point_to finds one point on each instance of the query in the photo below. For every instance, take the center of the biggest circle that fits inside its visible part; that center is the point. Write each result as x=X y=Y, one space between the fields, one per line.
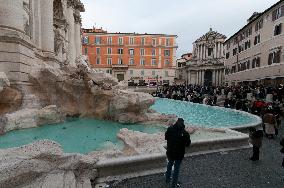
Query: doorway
x=208 y=78
x=120 y=77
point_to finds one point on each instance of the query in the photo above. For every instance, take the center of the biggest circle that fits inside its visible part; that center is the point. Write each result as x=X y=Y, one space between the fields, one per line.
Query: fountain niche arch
x=208 y=78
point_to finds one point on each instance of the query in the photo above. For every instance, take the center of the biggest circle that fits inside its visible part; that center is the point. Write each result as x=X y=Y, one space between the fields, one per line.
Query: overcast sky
x=189 y=19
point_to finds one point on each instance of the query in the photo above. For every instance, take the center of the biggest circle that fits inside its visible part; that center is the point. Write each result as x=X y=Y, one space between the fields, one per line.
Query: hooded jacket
x=177 y=139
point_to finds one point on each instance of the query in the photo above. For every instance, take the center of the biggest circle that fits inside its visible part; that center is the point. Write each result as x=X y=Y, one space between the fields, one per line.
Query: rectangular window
x=153 y=73
x=210 y=51
x=167 y=53
x=131 y=40
x=166 y=73
x=153 y=62
x=131 y=52
x=153 y=52
x=259 y=25
x=247 y=44
x=167 y=42
x=109 y=51
x=86 y=50
x=142 y=72
x=109 y=71
x=228 y=45
x=142 y=51
x=142 y=62
x=120 y=41
x=235 y=51
x=257 y=39
x=119 y=61
x=277 y=29
x=98 y=61
x=131 y=72
x=85 y=40
x=154 y=42
x=109 y=40
x=167 y=62
x=98 y=50
x=131 y=61
x=258 y=62
x=227 y=55
x=120 y=50
x=143 y=41
x=109 y=61
x=277 y=13
x=274 y=57
x=98 y=40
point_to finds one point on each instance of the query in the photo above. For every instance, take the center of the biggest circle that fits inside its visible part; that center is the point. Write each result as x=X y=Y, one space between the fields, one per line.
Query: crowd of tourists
x=264 y=101
x=253 y=99
x=247 y=98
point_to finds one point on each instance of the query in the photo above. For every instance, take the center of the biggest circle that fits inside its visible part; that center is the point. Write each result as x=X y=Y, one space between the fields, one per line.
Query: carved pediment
x=211 y=36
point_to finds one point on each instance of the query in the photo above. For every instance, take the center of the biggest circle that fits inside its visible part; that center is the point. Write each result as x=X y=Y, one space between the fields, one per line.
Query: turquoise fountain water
x=79 y=135
x=203 y=115
x=86 y=135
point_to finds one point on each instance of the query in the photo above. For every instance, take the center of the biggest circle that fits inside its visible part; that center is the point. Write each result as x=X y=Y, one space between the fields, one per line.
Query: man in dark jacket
x=255 y=137
x=177 y=139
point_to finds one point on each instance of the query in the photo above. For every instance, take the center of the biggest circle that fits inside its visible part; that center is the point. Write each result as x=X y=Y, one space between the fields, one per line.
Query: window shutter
x=282 y=10
x=270 y=59
x=280 y=28
x=278 y=54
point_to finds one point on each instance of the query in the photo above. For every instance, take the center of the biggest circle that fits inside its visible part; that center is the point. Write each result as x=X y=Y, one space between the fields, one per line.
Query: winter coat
x=255 y=138
x=177 y=139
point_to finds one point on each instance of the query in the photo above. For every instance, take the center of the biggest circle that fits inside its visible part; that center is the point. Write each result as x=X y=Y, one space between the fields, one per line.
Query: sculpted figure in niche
x=26 y=17
x=60 y=30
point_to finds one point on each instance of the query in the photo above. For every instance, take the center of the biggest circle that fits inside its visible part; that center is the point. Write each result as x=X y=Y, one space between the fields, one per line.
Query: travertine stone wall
x=36 y=33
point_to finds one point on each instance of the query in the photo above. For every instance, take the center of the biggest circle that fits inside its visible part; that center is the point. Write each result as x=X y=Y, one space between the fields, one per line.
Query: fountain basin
x=76 y=136
x=201 y=115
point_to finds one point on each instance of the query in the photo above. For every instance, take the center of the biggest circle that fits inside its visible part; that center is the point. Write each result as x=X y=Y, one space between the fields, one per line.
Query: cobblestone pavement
x=231 y=169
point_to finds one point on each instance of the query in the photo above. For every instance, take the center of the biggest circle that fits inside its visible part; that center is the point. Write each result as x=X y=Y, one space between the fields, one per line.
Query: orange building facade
x=132 y=56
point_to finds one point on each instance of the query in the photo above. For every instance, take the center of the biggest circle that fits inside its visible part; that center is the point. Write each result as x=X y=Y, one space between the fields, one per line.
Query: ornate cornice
x=211 y=35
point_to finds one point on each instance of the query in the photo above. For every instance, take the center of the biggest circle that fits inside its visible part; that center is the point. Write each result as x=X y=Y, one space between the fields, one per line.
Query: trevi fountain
x=63 y=124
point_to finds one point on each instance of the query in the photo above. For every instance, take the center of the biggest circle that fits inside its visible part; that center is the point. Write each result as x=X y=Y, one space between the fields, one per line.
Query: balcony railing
x=119 y=66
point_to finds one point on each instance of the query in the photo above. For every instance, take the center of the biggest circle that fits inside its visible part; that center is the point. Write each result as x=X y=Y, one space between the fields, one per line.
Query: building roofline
x=140 y=34
x=260 y=15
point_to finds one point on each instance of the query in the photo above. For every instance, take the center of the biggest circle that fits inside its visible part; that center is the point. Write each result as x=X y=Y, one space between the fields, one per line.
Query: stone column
x=202 y=77
x=217 y=77
x=37 y=24
x=203 y=52
x=197 y=80
x=47 y=34
x=215 y=51
x=200 y=51
x=213 y=78
x=71 y=56
x=77 y=30
x=78 y=43
x=220 y=77
x=220 y=50
x=12 y=15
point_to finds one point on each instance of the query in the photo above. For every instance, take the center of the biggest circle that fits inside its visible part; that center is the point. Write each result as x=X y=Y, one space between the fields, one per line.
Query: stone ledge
x=136 y=166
